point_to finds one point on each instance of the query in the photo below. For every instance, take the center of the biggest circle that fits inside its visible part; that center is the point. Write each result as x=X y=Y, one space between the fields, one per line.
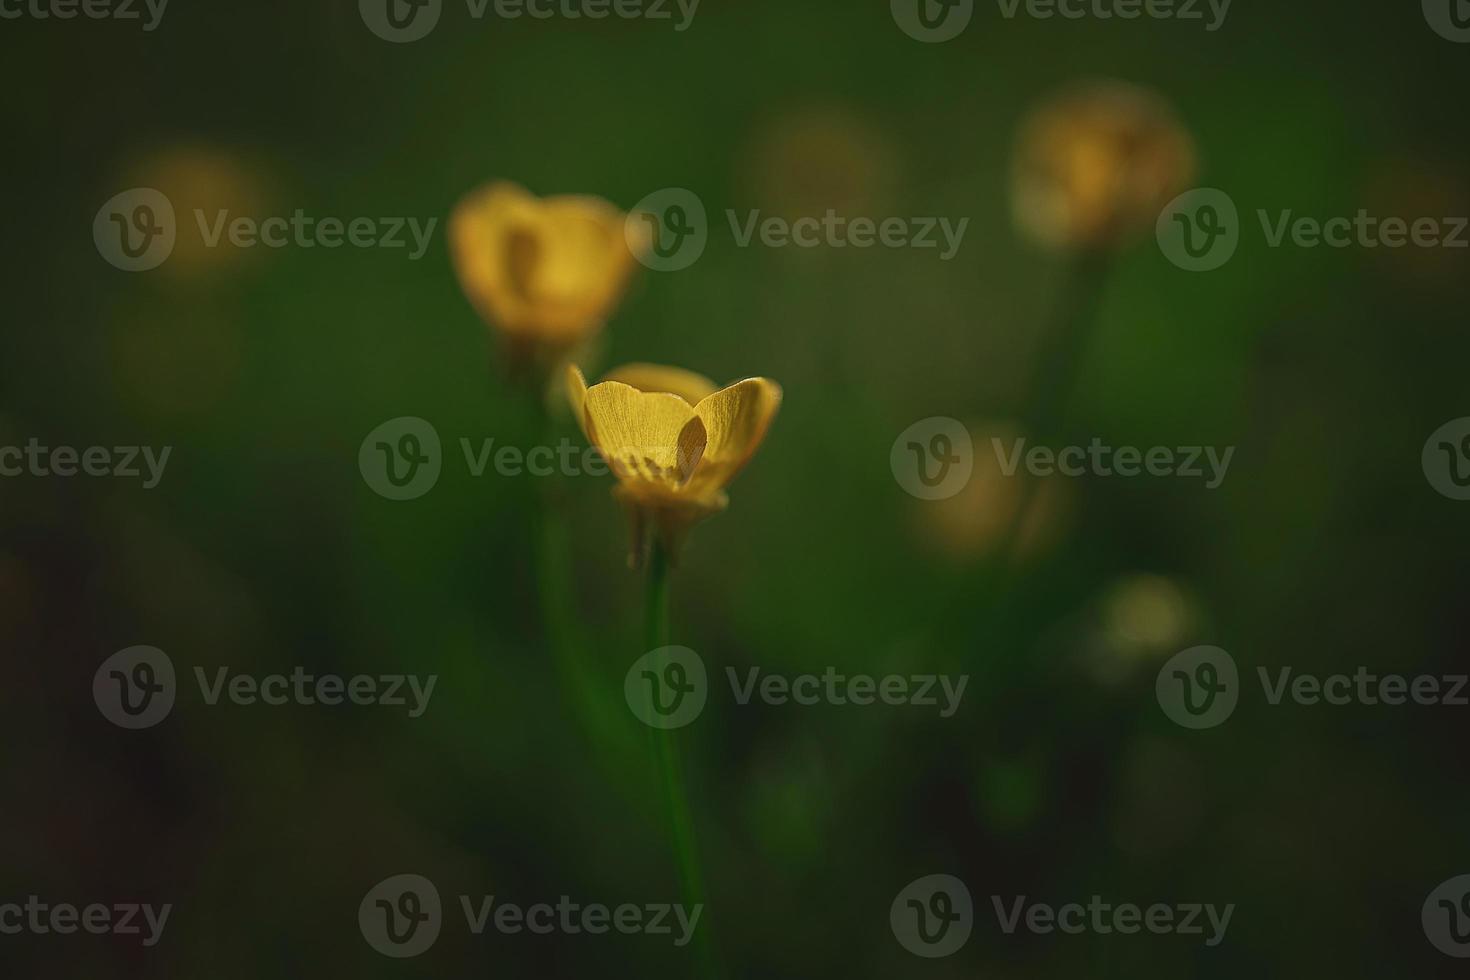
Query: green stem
x=550 y=551
x=554 y=593
x=666 y=750
x=1062 y=350
x=656 y=609
x=1065 y=343
x=1041 y=415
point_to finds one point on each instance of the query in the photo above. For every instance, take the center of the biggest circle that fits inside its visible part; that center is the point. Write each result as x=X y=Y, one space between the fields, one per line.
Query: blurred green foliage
x=1060 y=778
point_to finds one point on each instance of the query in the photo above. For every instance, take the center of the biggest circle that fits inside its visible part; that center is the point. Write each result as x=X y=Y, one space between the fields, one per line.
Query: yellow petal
x=656 y=377
x=1098 y=163
x=577 y=396
x=549 y=268
x=585 y=260
x=735 y=422
x=480 y=229
x=652 y=440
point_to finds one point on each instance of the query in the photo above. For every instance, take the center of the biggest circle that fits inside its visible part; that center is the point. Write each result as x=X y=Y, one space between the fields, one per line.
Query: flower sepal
x=667 y=523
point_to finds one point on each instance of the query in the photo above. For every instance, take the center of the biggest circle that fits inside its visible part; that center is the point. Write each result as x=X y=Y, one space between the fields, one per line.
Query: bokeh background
x=1060 y=778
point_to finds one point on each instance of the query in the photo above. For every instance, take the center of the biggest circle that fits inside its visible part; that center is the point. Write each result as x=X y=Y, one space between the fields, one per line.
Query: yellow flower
x=545 y=272
x=1097 y=164
x=673 y=441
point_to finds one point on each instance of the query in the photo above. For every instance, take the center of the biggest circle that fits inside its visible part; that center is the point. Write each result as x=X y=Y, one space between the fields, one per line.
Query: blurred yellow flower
x=994 y=510
x=819 y=157
x=673 y=440
x=1097 y=164
x=1417 y=188
x=212 y=180
x=1146 y=614
x=1138 y=617
x=546 y=272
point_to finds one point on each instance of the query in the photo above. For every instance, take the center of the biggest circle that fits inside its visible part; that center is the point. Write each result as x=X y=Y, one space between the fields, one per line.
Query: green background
x=1060 y=778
